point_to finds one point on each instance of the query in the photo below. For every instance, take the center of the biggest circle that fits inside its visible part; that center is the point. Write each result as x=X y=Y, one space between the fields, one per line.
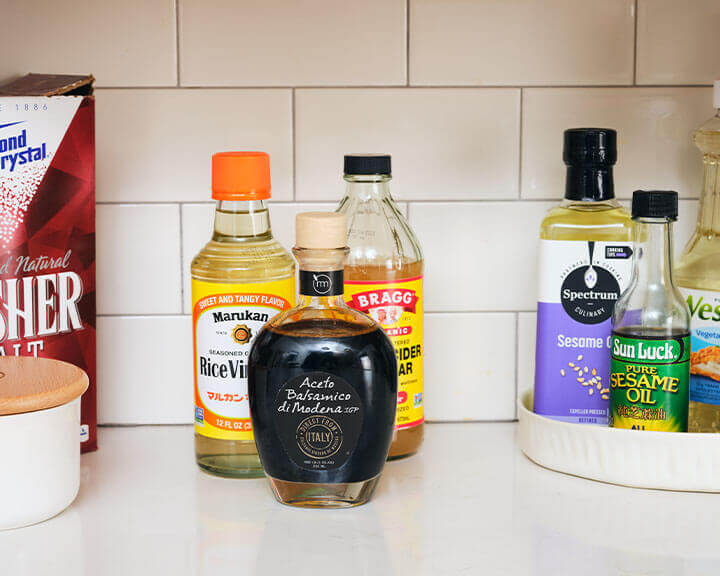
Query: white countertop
x=469 y=503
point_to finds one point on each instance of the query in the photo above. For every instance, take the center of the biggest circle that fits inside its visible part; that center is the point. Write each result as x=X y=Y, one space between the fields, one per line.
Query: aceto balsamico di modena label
x=649 y=382
x=226 y=320
x=397 y=306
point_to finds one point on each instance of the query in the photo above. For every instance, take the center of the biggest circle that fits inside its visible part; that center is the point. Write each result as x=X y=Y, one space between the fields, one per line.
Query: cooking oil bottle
x=240 y=280
x=584 y=264
x=383 y=278
x=698 y=276
x=650 y=358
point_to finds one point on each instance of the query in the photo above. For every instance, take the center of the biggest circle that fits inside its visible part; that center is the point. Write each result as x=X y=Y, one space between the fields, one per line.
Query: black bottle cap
x=367 y=164
x=655 y=204
x=590 y=147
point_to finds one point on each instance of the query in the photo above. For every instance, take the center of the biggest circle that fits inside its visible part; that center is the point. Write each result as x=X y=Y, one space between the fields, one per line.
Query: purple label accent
x=565 y=349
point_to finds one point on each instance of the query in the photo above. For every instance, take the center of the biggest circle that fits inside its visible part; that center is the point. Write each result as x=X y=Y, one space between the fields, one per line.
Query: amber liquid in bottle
x=322 y=383
x=385 y=257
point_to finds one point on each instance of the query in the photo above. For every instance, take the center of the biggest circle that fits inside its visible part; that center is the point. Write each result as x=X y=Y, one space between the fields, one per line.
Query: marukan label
x=398 y=307
x=226 y=320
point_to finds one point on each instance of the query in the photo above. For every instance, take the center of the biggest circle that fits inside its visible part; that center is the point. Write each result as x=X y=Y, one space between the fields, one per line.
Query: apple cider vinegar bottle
x=241 y=279
x=384 y=279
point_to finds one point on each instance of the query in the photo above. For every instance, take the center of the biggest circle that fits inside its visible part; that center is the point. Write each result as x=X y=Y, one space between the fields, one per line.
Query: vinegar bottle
x=383 y=278
x=322 y=383
x=698 y=276
x=241 y=279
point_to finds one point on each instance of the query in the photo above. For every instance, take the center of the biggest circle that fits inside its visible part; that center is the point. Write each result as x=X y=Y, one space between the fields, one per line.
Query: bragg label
x=649 y=382
x=226 y=319
x=398 y=307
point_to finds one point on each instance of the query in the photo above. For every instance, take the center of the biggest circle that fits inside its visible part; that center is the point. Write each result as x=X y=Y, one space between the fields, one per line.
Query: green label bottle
x=650 y=344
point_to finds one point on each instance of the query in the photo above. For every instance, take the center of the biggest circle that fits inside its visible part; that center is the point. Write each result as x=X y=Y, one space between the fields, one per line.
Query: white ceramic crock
x=40 y=459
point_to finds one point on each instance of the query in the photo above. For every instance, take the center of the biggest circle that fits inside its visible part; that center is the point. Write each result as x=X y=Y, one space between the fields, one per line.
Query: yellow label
x=226 y=319
x=398 y=307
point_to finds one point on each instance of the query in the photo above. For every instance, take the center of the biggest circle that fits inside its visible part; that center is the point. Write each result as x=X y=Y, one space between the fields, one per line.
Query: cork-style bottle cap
x=28 y=384
x=321 y=230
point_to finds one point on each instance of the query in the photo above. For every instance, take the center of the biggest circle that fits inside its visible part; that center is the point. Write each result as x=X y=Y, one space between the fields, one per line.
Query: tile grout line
x=635 y=45
x=520 y=145
x=509 y=200
x=430 y=312
x=182 y=260
x=294 y=144
x=177 y=43
x=407 y=42
x=517 y=362
x=409 y=87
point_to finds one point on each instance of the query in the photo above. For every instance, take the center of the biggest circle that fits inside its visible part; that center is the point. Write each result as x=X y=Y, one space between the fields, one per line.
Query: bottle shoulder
x=699 y=264
x=244 y=260
x=601 y=221
x=379 y=234
x=322 y=322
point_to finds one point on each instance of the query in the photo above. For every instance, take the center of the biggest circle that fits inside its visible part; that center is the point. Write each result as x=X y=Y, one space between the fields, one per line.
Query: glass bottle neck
x=709 y=213
x=321 y=278
x=589 y=183
x=241 y=220
x=367 y=187
x=653 y=253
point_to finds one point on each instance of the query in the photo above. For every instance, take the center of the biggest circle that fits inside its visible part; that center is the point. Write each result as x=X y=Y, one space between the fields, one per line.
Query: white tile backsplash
x=527 y=324
x=145 y=370
x=470 y=98
x=654 y=125
x=280 y=43
x=460 y=144
x=678 y=42
x=138 y=260
x=521 y=42
x=155 y=145
x=469 y=366
x=128 y=43
x=479 y=256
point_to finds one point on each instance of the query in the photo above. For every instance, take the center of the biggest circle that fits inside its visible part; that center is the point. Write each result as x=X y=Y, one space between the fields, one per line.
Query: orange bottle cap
x=241 y=176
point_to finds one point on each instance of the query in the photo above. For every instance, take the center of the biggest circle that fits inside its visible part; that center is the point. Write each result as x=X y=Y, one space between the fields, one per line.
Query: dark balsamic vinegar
x=355 y=354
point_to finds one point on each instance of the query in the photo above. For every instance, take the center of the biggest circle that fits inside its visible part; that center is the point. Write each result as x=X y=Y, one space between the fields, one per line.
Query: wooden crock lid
x=28 y=384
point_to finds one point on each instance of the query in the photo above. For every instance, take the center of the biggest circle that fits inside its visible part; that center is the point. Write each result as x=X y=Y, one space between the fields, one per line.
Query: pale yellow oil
x=605 y=221
x=242 y=250
x=699 y=266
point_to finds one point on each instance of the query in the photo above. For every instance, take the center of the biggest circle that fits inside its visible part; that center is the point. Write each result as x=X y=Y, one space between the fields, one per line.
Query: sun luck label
x=649 y=382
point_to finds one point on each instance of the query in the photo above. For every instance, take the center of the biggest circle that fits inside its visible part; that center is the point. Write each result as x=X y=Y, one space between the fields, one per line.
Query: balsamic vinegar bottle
x=322 y=383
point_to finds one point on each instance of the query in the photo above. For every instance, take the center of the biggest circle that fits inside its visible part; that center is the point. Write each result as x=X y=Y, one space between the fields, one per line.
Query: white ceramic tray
x=661 y=460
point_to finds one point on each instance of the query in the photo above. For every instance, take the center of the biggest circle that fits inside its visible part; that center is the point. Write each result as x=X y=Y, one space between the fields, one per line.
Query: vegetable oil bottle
x=383 y=278
x=240 y=280
x=650 y=365
x=584 y=265
x=698 y=276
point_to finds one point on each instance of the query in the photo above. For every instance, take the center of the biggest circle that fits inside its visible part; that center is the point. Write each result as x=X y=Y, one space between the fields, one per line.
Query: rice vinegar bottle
x=383 y=278
x=585 y=262
x=698 y=277
x=241 y=279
